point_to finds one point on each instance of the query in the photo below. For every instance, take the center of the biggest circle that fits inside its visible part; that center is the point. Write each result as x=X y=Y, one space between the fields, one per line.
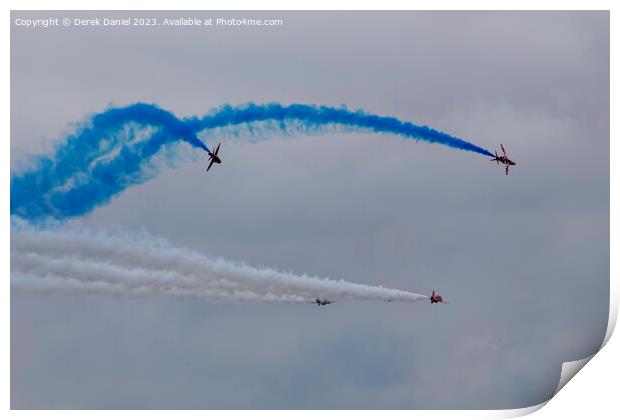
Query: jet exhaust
x=83 y=260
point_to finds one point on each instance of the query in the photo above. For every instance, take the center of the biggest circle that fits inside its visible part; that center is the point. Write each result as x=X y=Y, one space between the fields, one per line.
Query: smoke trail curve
x=115 y=149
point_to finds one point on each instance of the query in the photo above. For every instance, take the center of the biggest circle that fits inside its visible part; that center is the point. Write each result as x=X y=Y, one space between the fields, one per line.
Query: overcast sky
x=524 y=259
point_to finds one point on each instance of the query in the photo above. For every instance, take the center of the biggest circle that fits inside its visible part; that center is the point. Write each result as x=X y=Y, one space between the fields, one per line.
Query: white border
x=592 y=395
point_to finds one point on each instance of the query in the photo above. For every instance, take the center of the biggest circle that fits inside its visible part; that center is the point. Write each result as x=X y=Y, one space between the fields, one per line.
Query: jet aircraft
x=436 y=298
x=322 y=302
x=214 y=158
x=503 y=159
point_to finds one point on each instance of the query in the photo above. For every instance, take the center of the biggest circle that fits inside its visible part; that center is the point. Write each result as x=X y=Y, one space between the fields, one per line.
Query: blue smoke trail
x=68 y=184
x=312 y=115
x=107 y=153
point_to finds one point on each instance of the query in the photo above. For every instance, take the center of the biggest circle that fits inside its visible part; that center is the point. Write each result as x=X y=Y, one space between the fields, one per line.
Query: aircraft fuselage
x=505 y=160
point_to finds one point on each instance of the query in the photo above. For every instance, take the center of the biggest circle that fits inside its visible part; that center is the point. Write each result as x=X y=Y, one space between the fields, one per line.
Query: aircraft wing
x=210 y=164
x=504 y=150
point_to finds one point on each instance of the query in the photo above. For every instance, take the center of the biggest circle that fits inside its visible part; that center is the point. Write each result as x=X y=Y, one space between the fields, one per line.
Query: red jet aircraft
x=436 y=298
x=503 y=159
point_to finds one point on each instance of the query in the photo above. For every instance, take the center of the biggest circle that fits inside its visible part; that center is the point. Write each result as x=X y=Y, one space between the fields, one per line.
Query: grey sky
x=523 y=259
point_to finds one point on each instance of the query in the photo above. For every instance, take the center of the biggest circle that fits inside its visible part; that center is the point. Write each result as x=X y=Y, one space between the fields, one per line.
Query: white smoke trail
x=126 y=265
x=48 y=284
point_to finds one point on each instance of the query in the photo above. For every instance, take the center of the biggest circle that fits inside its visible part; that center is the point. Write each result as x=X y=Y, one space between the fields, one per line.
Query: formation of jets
x=434 y=298
x=214 y=158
